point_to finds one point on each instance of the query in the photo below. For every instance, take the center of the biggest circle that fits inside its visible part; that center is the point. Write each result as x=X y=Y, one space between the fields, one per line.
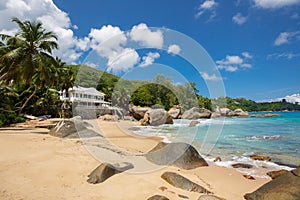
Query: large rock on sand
x=181 y=182
x=181 y=155
x=138 y=112
x=284 y=187
x=196 y=113
x=73 y=128
x=156 y=117
x=105 y=171
x=238 y=113
x=276 y=174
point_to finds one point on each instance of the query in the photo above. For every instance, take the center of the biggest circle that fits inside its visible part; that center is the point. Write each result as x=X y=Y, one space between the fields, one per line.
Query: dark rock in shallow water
x=242 y=165
x=179 y=181
x=194 y=123
x=179 y=154
x=285 y=187
x=209 y=197
x=275 y=174
x=157 y=197
x=105 y=170
x=217 y=159
x=262 y=158
x=267 y=115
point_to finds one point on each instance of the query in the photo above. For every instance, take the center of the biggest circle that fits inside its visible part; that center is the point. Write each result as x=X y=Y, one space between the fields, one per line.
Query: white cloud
x=174 y=49
x=247 y=55
x=208 y=77
x=207 y=6
x=53 y=19
x=109 y=42
x=149 y=59
x=282 y=39
x=235 y=60
x=239 y=19
x=145 y=37
x=289 y=98
x=234 y=63
x=228 y=68
x=124 y=61
x=286 y=55
x=286 y=37
x=275 y=4
x=91 y=64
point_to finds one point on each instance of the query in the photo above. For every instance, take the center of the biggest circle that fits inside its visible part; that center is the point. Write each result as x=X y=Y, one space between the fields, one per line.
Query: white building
x=85 y=97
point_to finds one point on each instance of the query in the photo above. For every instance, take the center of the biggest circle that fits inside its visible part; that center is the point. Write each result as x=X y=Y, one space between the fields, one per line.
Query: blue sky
x=255 y=44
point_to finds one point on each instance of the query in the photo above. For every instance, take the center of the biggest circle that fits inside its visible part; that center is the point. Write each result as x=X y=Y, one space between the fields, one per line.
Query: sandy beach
x=35 y=165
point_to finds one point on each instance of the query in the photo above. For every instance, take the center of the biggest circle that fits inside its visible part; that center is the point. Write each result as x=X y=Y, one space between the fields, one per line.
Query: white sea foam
x=263 y=137
x=259 y=169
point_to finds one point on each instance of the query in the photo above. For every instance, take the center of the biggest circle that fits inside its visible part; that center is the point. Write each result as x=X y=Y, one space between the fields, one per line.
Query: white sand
x=39 y=166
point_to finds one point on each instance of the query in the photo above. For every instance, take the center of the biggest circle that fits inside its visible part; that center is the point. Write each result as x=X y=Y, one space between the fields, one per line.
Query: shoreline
x=35 y=165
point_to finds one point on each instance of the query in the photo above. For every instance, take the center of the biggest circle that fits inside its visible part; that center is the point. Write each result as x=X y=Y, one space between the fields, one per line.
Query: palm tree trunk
x=28 y=99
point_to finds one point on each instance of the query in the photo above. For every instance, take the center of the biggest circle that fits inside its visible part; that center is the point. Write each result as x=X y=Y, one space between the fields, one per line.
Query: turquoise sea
x=235 y=139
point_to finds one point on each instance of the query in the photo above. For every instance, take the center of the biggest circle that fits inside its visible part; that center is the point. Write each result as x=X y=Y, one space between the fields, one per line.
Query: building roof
x=88 y=91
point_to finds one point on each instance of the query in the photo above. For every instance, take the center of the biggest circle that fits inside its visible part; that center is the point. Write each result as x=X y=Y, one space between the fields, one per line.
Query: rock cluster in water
x=158 y=116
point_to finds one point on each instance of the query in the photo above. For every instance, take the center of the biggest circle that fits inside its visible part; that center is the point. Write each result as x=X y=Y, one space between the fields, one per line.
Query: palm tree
x=65 y=75
x=26 y=57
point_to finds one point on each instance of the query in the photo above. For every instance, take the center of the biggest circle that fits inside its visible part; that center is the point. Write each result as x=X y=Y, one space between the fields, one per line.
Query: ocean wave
x=264 y=137
x=259 y=169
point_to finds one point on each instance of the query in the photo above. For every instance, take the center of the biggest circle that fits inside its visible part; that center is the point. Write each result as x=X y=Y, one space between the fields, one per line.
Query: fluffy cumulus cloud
x=174 y=49
x=208 y=6
x=146 y=37
x=110 y=42
x=286 y=37
x=52 y=18
x=107 y=41
x=208 y=77
x=149 y=59
x=239 y=19
x=233 y=63
x=123 y=61
x=275 y=4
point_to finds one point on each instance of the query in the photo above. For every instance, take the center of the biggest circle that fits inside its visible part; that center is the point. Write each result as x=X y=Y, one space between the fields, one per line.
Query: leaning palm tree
x=26 y=57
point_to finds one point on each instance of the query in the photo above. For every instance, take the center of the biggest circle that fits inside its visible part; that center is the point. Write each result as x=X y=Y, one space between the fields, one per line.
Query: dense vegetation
x=30 y=78
x=250 y=105
x=29 y=75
